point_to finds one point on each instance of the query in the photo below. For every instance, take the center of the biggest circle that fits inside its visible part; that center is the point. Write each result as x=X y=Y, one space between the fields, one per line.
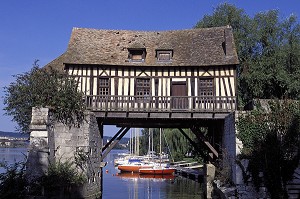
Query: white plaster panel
x=132 y=86
x=125 y=87
x=112 y=86
x=178 y=79
x=95 y=86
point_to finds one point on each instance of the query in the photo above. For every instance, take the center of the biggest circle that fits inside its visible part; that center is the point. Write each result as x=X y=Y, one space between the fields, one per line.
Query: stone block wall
x=38 y=151
x=245 y=190
x=58 y=142
x=229 y=144
x=80 y=145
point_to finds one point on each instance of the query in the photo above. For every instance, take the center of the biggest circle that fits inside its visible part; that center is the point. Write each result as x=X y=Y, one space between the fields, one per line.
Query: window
x=206 y=87
x=164 y=55
x=103 y=86
x=142 y=88
x=136 y=55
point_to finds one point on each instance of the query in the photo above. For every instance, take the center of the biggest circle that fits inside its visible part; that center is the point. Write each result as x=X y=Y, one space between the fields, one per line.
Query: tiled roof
x=194 y=47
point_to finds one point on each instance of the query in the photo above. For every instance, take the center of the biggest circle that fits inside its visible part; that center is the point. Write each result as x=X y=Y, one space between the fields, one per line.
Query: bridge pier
x=58 y=143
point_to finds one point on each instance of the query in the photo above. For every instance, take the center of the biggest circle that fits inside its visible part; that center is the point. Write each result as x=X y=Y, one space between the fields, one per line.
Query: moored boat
x=134 y=167
x=158 y=170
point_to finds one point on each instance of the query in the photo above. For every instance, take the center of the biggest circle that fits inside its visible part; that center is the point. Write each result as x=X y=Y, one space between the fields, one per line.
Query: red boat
x=159 y=170
x=144 y=176
x=133 y=167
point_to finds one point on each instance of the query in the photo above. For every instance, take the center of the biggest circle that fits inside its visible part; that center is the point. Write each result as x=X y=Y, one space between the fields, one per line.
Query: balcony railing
x=160 y=103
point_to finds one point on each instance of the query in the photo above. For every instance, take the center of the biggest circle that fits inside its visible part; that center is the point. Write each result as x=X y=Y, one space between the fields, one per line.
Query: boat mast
x=138 y=141
x=152 y=149
x=160 y=142
x=149 y=143
x=130 y=137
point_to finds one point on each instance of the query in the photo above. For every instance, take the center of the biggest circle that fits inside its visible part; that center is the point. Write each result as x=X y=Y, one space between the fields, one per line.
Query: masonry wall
x=231 y=145
x=245 y=190
x=38 y=151
x=58 y=142
x=84 y=144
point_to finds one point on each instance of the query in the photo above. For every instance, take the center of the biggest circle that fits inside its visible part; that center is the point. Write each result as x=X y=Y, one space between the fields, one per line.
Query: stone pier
x=52 y=143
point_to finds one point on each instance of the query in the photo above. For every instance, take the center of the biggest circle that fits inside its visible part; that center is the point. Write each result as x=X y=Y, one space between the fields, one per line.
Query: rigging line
x=168 y=146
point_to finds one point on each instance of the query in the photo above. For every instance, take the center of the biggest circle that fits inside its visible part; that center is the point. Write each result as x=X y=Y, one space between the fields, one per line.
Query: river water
x=132 y=186
x=12 y=155
x=117 y=185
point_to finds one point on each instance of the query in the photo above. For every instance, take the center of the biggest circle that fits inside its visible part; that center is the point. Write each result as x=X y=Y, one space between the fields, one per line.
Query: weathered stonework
x=209 y=172
x=38 y=152
x=245 y=190
x=68 y=142
x=231 y=144
x=58 y=142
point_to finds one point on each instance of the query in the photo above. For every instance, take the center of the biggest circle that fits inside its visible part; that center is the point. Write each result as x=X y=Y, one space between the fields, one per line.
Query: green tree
x=44 y=87
x=268 y=50
x=13 y=181
x=271 y=141
x=173 y=142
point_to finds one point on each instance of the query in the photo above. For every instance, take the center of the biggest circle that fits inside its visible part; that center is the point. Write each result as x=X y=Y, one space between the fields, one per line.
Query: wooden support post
x=114 y=143
x=100 y=128
x=112 y=139
x=202 y=138
x=197 y=148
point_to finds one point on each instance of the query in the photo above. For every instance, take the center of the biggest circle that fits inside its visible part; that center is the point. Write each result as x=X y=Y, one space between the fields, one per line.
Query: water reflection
x=11 y=156
x=135 y=186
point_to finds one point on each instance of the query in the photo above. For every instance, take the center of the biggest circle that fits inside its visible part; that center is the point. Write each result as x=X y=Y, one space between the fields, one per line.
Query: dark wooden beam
x=113 y=138
x=113 y=144
x=202 y=138
x=196 y=147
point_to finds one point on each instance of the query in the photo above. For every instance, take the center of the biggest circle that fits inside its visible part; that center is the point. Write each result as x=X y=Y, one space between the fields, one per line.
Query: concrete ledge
x=39 y=134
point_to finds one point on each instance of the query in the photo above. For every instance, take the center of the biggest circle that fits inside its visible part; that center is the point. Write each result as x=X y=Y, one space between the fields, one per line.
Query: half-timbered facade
x=170 y=79
x=158 y=74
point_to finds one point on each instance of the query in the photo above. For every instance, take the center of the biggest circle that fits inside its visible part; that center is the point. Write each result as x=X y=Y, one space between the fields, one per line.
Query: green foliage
x=62 y=174
x=42 y=87
x=271 y=141
x=59 y=178
x=81 y=158
x=13 y=181
x=173 y=142
x=268 y=50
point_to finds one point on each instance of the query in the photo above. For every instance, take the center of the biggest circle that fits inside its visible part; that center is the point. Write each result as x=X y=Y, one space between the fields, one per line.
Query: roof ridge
x=149 y=31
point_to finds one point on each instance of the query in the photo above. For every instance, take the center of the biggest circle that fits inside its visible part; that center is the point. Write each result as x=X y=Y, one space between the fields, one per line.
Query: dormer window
x=137 y=55
x=164 y=55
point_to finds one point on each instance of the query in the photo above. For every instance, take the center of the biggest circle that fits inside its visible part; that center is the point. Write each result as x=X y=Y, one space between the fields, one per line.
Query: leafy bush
x=41 y=87
x=61 y=176
x=59 y=180
x=271 y=141
x=13 y=182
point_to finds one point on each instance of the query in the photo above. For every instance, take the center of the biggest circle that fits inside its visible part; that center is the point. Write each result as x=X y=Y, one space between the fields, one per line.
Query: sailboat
x=158 y=169
x=134 y=166
x=134 y=163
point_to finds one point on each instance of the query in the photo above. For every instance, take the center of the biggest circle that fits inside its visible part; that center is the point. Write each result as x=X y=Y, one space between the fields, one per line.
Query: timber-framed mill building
x=169 y=79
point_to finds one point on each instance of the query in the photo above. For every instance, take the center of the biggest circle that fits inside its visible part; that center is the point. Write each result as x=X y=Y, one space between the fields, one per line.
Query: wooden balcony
x=160 y=106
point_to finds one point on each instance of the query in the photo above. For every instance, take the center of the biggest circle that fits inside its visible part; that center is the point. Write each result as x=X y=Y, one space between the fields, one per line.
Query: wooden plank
x=159 y=115
x=112 y=145
x=205 y=141
x=193 y=144
x=137 y=115
x=181 y=115
x=112 y=139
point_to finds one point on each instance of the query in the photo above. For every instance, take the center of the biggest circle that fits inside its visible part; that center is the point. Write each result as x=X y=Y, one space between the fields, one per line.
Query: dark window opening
x=137 y=55
x=143 y=88
x=206 y=87
x=103 y=86
x=164 y=55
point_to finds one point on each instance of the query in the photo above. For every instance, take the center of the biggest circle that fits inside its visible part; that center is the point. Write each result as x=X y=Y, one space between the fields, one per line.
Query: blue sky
x=37 y=29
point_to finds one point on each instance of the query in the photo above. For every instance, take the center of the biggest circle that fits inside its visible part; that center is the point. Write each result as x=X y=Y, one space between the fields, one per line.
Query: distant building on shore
x=11 y=139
